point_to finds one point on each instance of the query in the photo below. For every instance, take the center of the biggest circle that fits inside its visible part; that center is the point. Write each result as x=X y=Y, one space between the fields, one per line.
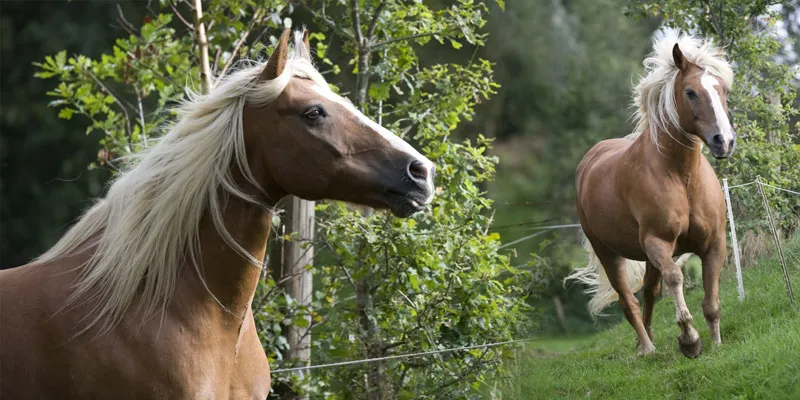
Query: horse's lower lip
x=718 y=154
x=721 y=156
x=402 y=205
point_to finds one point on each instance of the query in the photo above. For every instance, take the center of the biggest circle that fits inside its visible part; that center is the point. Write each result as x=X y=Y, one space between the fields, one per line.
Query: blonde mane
x=147 y=225
x=654 y=97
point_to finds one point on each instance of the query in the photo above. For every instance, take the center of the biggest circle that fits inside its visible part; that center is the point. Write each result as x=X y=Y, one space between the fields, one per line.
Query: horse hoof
x=644 y=352
x=691 y=350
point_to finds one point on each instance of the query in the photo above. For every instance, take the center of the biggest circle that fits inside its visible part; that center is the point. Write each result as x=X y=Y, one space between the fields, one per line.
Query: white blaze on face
x=393 y=140
x=723 y=124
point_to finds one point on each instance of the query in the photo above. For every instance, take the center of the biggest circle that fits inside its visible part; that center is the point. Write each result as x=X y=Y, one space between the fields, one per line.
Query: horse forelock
x=654 y=95
x=147 y=226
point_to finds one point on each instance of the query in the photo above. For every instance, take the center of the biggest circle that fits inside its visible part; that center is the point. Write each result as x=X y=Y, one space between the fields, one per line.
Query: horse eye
x=691 y=94
x=314 y=113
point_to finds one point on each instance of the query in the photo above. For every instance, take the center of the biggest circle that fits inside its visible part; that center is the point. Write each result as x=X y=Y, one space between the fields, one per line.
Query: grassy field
x=759 y=357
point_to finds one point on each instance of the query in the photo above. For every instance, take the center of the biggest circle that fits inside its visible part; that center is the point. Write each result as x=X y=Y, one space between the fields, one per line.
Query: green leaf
x=61 y=59
x=66 y=113
x=413 y=279
x=300 y=321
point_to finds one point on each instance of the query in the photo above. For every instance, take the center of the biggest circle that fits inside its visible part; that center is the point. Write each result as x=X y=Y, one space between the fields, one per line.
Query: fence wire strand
x=399 y=356
x=780 y=188
x=764 y=184
x=742 y=185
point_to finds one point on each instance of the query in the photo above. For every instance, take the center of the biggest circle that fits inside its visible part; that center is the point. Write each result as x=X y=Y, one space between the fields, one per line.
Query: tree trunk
x=774 y=100
x=377 y=387
x=202 y=41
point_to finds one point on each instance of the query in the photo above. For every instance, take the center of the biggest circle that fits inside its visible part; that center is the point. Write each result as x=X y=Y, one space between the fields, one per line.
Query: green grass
x=759 y=357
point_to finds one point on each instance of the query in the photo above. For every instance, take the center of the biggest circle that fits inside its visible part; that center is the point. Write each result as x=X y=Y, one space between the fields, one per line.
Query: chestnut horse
x=148 y=295
x=653 y=196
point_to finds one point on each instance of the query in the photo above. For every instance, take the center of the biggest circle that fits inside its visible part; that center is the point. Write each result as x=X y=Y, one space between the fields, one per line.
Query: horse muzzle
x=413 y=192
x=720 y=148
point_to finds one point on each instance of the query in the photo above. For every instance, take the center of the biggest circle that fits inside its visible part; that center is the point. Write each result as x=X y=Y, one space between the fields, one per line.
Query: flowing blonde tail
x=594 y=277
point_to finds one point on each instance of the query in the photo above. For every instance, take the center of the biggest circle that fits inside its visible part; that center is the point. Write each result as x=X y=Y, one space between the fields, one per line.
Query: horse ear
x=677 y=56
x=277 y=61
x=306 y=42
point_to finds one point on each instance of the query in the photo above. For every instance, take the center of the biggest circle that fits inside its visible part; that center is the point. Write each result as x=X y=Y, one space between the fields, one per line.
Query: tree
x=392 y=286
x=385 y=286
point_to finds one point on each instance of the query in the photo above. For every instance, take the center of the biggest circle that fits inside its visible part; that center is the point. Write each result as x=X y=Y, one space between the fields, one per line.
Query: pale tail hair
x=594 y=277
x=654 y=95
x=147 y=225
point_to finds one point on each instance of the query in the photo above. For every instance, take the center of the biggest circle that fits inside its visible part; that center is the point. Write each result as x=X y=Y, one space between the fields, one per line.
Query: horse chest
x=176 y=368
x=223 y=365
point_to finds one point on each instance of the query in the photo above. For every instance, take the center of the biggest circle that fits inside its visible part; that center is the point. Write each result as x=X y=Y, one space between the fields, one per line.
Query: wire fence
x=735 y=243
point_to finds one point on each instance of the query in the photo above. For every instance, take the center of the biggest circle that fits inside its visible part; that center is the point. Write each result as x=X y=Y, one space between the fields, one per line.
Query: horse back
x=600 y=159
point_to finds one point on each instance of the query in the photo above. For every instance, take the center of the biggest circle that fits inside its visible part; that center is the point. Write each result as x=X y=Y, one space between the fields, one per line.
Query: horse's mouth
x=720 y=153
x=404 y=205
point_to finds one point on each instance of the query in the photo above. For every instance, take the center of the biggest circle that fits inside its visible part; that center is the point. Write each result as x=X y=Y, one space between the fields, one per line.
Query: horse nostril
x=417 y=171
x=717 y=140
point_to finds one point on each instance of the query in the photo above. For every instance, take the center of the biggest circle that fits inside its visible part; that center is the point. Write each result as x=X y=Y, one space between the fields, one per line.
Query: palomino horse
x=644 y=200
x=149 y=294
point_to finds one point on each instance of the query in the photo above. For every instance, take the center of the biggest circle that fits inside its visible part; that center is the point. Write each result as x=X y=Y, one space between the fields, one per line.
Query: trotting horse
x=148 y=295
x=646 y=199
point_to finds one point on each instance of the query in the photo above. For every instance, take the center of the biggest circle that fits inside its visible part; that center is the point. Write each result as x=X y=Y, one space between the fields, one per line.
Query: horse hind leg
x=659 y=253
x=615 y=268
x=650 y=292
x=712 y=265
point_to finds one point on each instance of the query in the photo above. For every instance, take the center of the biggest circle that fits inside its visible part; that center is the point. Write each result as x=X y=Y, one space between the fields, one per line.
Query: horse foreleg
x=659 y=252
x=650 y=292
x=712 y=264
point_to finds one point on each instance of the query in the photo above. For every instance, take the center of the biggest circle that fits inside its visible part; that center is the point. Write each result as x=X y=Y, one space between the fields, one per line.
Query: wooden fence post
x=288 y=263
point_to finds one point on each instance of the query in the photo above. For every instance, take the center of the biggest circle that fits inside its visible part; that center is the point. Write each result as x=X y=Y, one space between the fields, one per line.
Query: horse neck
x=231 y=278
x=679 y=153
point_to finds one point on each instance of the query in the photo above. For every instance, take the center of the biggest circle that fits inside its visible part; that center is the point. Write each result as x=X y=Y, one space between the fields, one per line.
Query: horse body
x=149 y=294
x=647 y=198
x=684 y=202
x=194 y=350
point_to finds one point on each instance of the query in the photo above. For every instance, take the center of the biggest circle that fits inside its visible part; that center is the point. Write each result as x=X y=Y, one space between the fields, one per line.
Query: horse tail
x=593 y=275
